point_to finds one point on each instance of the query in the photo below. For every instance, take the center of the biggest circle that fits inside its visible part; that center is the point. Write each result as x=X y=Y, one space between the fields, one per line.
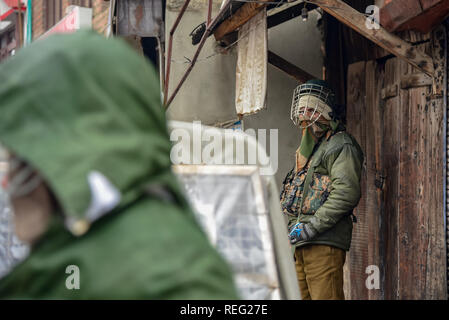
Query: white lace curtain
x=251 y=73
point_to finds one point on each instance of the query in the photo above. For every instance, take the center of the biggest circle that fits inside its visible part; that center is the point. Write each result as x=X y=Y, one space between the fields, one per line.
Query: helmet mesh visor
x=311 y=97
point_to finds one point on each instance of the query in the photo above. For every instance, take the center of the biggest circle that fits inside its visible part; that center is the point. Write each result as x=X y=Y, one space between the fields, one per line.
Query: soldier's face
x=309 y=116
x=32 y=210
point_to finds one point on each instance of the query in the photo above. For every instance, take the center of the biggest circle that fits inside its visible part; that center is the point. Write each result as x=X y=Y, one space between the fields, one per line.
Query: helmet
x=315 y=95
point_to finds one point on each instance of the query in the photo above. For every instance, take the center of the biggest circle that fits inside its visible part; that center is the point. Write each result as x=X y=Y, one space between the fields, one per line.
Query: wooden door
x=399 y=122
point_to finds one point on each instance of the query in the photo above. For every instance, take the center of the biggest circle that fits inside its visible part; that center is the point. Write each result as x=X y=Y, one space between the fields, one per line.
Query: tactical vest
x=293 y=187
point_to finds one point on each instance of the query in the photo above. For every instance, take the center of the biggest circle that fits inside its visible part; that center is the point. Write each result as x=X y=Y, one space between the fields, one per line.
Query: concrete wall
x=209 y=92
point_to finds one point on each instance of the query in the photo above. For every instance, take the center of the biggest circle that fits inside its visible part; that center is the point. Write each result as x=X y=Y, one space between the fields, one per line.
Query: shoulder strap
x=160 y=191
x=308 y=180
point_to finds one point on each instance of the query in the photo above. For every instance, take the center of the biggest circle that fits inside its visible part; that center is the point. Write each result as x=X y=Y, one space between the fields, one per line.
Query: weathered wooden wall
x=365 y=123
x=401 y=224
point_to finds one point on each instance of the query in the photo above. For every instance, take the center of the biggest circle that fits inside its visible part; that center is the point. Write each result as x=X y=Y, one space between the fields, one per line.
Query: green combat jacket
x=333 y=193
x=85 y=112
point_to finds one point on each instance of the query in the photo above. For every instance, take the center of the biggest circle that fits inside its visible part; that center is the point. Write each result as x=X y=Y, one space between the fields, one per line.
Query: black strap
x=160 y=191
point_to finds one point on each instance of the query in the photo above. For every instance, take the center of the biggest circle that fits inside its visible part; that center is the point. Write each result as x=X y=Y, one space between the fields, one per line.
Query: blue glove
x=301 y=231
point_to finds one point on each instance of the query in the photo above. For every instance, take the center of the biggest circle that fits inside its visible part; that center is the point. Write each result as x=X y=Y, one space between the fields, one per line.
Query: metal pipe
x=170 y=45
x=111 y=17
x=209 y=12
x=195 y=57
x=29 y=29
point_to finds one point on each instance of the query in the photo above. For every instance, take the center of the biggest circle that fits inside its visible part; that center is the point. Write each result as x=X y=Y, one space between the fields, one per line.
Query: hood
x=85 y=112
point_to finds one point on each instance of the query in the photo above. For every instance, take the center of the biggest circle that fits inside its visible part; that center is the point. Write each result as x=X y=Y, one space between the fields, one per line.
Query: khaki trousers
x=319 y=269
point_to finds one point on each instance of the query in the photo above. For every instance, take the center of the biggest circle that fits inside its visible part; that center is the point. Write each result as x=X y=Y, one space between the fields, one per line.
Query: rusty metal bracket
x=209 y=26
x=170 y=46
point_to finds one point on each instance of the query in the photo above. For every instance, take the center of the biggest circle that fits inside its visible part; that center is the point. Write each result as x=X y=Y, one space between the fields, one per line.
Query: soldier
x=321 y=191
x=90 y=179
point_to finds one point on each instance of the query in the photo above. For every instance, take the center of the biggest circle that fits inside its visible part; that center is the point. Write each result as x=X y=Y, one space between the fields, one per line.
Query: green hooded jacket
x=85 y=111
x=333 y=193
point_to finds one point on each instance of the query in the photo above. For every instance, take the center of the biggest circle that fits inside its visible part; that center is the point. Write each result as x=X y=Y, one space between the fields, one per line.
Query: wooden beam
x=419 y=15
x=356 y=20
x=396 y=13
x=390 y=91
x=272 y=20
x=239 y=18
x=415 y=80
x=293 y=71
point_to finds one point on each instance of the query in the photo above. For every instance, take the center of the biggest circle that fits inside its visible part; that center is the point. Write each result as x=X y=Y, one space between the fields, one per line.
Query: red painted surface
x=419 y=15
x=6 y=14
x=14 y=3
x=68 y=24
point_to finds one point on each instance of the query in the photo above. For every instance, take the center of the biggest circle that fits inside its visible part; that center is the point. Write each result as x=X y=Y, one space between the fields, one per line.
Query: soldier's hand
x=301 y=231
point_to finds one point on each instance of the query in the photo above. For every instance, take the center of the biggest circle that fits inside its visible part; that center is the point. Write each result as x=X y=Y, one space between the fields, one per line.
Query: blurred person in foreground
x=90 y=180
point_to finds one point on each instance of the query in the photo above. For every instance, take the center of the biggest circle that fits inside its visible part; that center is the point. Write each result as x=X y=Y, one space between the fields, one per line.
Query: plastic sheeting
x=235 y=217
x=251 y=74
x=12 y=250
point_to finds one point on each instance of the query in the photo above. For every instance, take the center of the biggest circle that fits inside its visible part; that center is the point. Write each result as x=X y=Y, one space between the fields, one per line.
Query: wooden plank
x=391 y=139
x=389 y=92
x=230 y=38
x=438 y=45
x=365 y=118
x=435 y=272
x=293 y=71
x=239 y=18
x=425 y=277
x=408 y=273
x=428 y=19
x=420 y=15
x=398 y=12
x=415 y=80
x=375 y=174
x=421 y=224
x=427 y=4
x=395 y=45
x=356 y=125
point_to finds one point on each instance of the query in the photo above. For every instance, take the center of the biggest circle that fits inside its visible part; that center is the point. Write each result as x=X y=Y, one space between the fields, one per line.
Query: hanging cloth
x=251 y=73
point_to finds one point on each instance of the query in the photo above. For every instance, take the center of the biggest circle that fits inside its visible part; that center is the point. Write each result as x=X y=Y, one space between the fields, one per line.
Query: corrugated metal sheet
x=143 y=18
